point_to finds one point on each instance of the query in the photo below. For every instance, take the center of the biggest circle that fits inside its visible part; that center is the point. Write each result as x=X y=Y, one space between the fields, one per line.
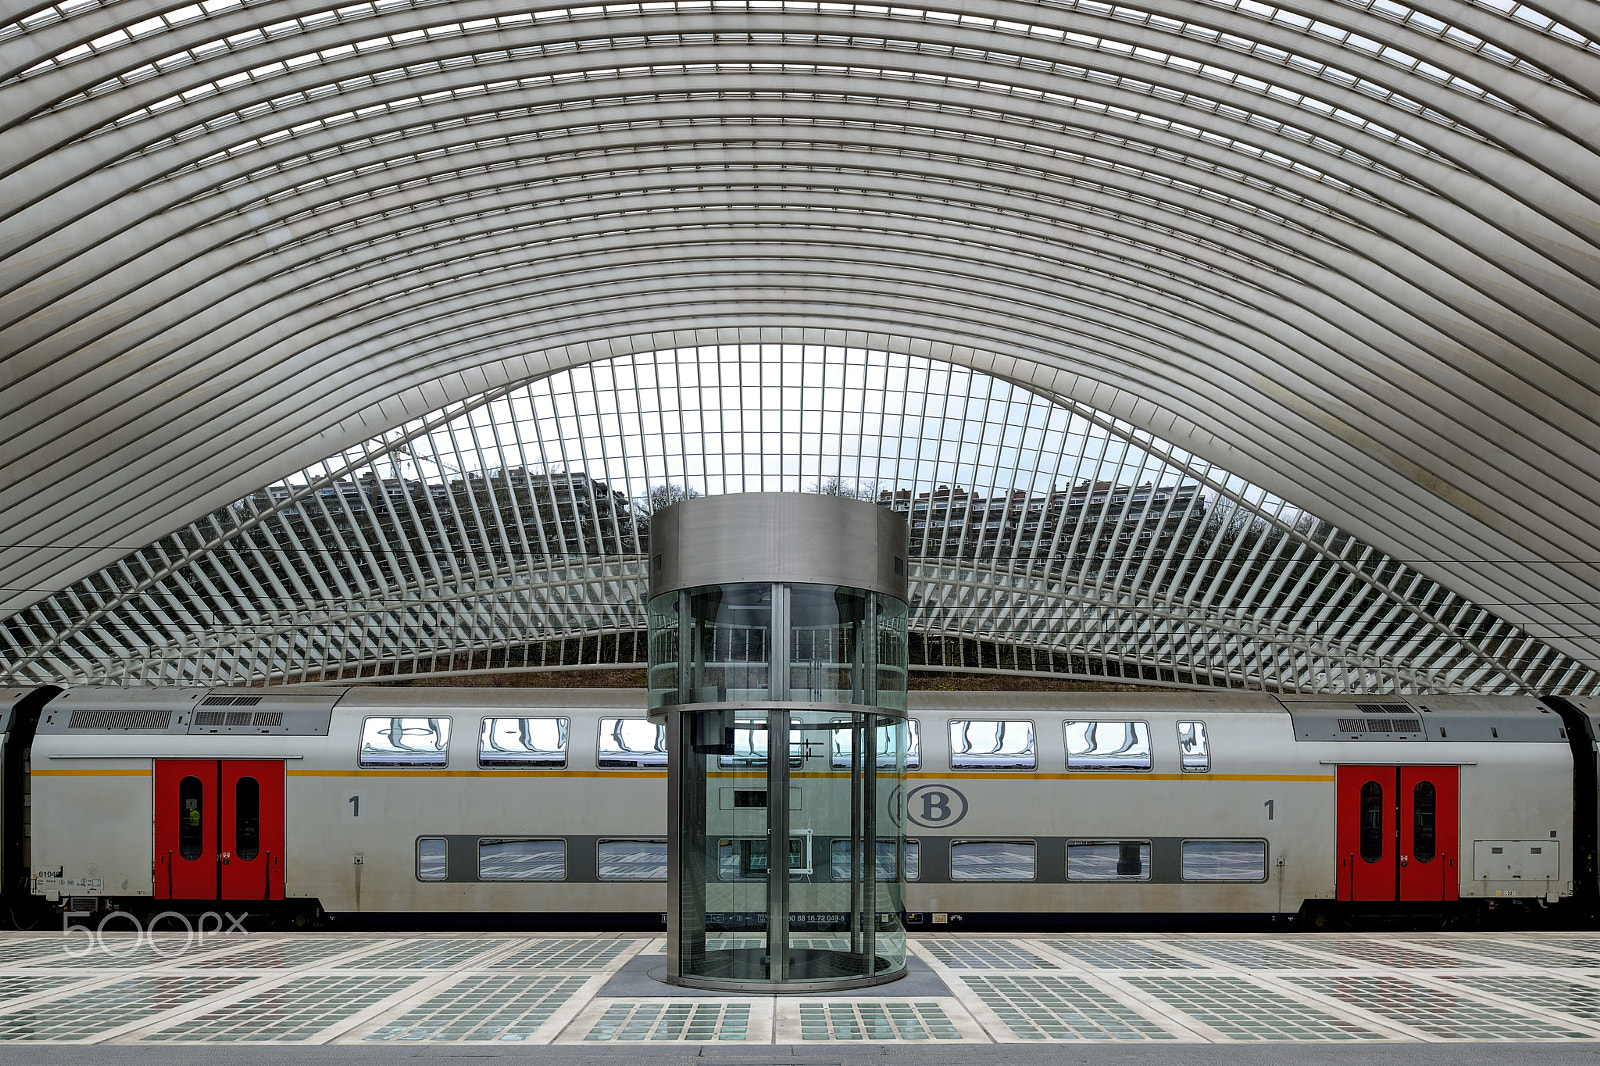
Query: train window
x=992 y=860
x=500 y=859
x=989 y=745
x=191 y=820
x=247 y=818
x=749 y=744
x=1193 y=751
x=1371 y=822
x=632 y=860
x=526 y=743
x=886 y=737
x=913 y=860
x=1108 y=860
x=1108 y=746
x=631 y=743
x=745 y=858
x=1424 y=806
x=1224 y=860
x=405 y=741
x=432 y=853
x=841 y=859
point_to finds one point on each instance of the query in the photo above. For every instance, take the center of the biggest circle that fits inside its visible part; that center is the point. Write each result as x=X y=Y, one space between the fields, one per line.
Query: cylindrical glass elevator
x=778 y=659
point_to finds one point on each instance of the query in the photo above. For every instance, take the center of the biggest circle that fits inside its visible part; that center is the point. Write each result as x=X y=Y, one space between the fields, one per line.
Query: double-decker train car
x=549 y=806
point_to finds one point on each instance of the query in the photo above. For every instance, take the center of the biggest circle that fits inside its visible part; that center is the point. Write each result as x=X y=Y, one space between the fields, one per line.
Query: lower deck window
x=632 y=860
x=992 y=860
x=432 y=859
x=1224 y=860
x=500 y=859
x=840 y=860
x=1108 y=860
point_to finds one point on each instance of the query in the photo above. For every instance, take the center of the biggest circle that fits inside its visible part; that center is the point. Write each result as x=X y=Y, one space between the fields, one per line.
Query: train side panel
x=1511 y=804
x=359 y=832
x=1146 y=823
x=1259 y=803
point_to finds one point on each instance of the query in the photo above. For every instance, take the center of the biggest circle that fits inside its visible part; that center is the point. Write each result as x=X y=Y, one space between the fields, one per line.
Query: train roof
x=1175 y=701
x=628 y=700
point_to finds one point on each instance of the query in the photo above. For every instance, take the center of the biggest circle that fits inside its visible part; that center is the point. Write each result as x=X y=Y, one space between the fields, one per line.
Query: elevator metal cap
x=794 y=537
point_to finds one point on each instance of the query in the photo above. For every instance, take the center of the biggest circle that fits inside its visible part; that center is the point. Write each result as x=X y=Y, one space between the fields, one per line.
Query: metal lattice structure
x=511 y=531
x=1346 y=250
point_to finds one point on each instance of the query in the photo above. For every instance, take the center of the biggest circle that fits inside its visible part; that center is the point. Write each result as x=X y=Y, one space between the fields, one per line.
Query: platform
x=596 y=991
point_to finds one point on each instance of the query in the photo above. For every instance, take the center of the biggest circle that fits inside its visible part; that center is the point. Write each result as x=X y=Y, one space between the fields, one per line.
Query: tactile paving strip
x=282 y=954
x=1243 y=1010
x=672 y=1020
x=1588 y=947
x=298 y=1009
x=1434 y=1011
x=1387 y=953
x=83 y=951
x=14 y=986
x=484 y=1007
x=433 y=954
x=1507 y=951
x=1123 y=955
x=1552 y=993
x=115 y=1005
x=34 y=950
x=1060 y=1007
x=1254 y=955
x=985 y=955
x=906 y=1020
x=564 y=955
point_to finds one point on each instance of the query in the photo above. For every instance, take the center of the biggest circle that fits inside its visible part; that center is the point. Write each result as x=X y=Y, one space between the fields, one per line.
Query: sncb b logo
x=935 y=806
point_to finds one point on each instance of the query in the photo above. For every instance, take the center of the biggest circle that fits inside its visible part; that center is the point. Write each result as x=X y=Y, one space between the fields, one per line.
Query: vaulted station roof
x=1344 y=250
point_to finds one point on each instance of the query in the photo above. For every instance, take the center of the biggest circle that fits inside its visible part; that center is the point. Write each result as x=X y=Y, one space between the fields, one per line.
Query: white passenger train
x=549 y=806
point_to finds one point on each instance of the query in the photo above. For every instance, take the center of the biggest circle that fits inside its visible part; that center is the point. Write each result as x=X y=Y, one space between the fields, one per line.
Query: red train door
x=251 y=824
x=1396 y=832
x=218 y=829
x=185 y=829
x=1365 y=832
x=1429 y=800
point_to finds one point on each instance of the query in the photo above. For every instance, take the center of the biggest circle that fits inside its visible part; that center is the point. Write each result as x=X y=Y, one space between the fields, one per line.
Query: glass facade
x=789 y=741
x=714 y=644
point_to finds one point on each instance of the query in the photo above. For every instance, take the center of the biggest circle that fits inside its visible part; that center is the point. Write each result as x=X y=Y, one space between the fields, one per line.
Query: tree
x=838 y=486
x=662 y=496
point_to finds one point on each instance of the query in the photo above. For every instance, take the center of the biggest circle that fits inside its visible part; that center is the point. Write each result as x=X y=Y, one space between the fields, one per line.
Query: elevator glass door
x=790 y=861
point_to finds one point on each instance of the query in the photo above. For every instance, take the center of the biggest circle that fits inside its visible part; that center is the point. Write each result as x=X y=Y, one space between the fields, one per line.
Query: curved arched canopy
x=1344 y=250
x=511 y=531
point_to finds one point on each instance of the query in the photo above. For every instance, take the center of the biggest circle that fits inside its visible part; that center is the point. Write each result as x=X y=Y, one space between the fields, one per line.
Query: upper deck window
x=1108 y=746
x=631 y=743
x=844 y=739
x=405 y=741
x=539 y=743
x=1193 y=749
x=991 y=745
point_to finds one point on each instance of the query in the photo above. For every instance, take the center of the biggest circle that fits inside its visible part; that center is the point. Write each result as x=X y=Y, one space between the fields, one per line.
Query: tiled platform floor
x=447 y=990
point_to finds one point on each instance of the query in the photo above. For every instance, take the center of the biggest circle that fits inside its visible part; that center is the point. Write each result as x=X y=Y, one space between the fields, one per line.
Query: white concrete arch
x=1349 y=253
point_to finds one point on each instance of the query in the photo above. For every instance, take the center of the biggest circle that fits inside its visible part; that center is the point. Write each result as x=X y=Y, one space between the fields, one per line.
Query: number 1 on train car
x=219 y=829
